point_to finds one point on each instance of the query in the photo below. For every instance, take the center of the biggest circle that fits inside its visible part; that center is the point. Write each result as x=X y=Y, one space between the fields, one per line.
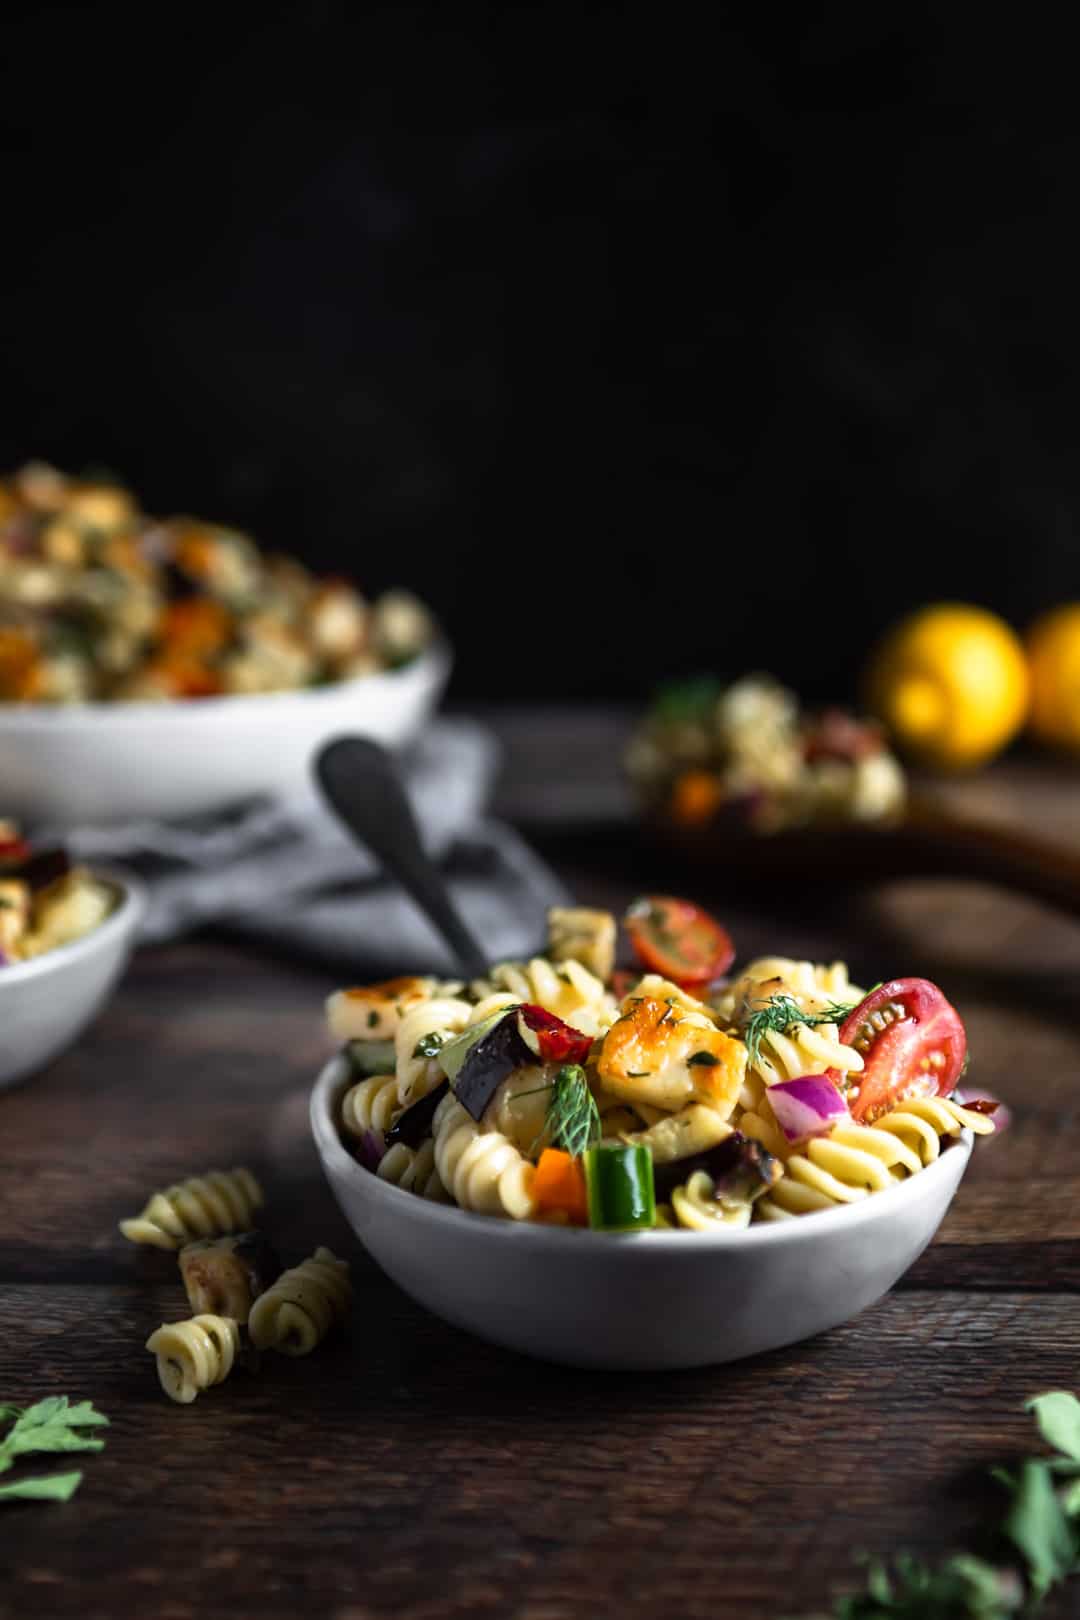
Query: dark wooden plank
x=408 y=1469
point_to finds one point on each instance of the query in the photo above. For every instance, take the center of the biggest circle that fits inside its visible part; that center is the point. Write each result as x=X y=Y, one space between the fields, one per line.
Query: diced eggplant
x=414 y=1126
x=226 y=1275
x=738 y=1167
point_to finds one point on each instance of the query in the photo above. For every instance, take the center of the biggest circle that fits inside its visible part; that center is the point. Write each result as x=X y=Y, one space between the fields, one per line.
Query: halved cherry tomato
x=13 y=850
x=913 y=1044
x=678 y=939
x=557 y=1042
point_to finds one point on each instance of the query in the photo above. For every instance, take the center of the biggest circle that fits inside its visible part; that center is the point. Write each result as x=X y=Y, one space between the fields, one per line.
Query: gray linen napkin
x=287 y=873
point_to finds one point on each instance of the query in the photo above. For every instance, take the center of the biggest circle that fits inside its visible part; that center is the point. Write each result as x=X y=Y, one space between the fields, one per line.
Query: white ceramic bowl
x=107 y=762
x=648 y=1300
x=46 y=1003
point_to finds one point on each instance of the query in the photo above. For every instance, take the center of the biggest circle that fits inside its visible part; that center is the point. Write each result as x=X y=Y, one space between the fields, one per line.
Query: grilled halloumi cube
x=373 y=1012
x=575 y=933
x=661 y=1054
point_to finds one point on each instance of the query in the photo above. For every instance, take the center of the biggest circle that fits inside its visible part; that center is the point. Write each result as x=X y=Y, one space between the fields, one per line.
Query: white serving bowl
x=108 y=762
x=649 y=1300
x=46 y=1003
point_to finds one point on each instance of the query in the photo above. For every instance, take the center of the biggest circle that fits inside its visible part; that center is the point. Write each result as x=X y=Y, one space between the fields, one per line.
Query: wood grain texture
x=406 y=1469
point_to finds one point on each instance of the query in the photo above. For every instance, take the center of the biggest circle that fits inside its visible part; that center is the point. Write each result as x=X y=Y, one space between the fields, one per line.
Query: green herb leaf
x=573 y=1119
x=44 y=1488
x=1037 y=1526
x=703 y=1060
x=50 y=1425
x=1057 y=1414
x=430 y=1045
x=781 y=1014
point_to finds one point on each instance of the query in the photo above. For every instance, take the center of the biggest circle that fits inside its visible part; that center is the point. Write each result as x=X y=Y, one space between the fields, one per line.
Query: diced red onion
x=808 y=1106
x=370 y=1148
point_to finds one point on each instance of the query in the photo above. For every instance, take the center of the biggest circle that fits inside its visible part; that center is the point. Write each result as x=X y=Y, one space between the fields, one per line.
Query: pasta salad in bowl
x=65 y=936
x=530 y=1154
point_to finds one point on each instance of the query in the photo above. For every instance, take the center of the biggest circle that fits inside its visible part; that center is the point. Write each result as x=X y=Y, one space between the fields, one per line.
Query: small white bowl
x=109 y=762
x=650 y=1300
x=46 y=1003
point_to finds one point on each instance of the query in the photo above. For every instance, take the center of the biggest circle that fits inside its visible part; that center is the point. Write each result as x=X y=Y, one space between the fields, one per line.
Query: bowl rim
x=430 y=664
x=954 y=1159
x=122 y=921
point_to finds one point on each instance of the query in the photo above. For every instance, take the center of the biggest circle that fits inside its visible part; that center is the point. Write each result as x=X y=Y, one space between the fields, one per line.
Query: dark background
x=636 y=348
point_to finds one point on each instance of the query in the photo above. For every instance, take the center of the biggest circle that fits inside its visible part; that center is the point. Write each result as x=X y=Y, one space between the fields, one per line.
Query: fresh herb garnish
x=1030 y=1551
x=703 y=1060
x=429 y=1045
x=50 y=1425
x=573 y=1119
x=780 y=1014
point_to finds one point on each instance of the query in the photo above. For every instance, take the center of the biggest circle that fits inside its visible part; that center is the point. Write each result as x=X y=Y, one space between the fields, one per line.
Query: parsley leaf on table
x=51 y=1425
x=1031 y=1550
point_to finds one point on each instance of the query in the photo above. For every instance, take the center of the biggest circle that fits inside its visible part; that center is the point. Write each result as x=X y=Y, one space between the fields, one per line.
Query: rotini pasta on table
x=679 y=1096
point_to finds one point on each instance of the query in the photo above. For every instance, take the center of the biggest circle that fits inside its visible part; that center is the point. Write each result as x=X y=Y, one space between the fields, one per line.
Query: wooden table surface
x=408 y=1469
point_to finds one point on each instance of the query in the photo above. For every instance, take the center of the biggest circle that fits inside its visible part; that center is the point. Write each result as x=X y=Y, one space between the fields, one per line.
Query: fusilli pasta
x=417 y=1071
x=413 y=1170
x=482 y=1170
x=298 y=1311
x=203 y=1206
x=194 y=1354
x=370 y=1105
x=566 y=989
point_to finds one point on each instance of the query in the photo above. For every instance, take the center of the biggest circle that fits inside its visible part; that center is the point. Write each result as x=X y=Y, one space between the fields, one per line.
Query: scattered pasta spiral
x=566 y=989
x=297 y=1312
x=418 y=1073
x=370 y=1105
x=209 y=1205
x=413 y=1170
x=194 y=1354
x=482 y=1170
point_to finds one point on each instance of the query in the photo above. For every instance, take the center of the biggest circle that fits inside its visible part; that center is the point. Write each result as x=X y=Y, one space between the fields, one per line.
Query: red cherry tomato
x=912 y=1042
x=13 y=850
x=678 y=939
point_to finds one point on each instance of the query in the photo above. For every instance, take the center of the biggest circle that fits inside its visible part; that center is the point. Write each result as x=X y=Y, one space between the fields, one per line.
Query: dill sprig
x=780 y=1014
x=572 y=1121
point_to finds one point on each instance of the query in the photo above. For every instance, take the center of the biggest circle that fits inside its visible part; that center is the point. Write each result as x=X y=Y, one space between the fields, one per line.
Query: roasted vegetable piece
x=621 y=1191
x=489 y=1062
x=555 y=1042
x=559 y=1187
x=414 y=1126
x=740 y=1170
x=678 y=939
x=225 y=1276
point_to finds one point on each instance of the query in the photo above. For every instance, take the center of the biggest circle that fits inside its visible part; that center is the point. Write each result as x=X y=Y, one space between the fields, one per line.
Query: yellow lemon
x=1053 y=645
x=951 y=683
